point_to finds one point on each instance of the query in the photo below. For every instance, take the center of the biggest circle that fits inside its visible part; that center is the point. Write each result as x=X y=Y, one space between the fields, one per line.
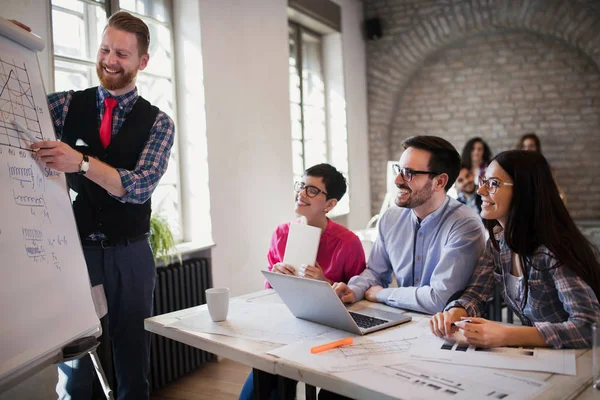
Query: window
x=317 y=105
x=75 y=68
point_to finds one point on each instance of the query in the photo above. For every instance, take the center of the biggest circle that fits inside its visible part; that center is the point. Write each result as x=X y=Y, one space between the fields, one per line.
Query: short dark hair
x=466 y=152
x=335 y=183
x=539 y=217
x=444 y=157
x=124 y=21
x=532 y=136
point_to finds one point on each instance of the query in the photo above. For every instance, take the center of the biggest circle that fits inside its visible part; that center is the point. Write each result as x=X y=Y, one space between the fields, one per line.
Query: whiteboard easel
x=45 y=297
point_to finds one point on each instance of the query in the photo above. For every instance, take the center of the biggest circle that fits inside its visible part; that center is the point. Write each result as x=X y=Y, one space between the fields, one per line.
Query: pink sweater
x=340 y=253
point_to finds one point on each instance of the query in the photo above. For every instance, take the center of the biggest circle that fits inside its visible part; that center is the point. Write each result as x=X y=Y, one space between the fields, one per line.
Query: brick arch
x=393 y=62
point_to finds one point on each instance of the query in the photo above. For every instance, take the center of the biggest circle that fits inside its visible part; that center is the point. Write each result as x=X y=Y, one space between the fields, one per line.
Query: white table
x=253 y=354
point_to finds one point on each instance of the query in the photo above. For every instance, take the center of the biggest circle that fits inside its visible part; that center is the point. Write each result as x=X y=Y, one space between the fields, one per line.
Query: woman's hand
x=284 y=269
x=315 y=272
x=480 y=332
x=441 y=323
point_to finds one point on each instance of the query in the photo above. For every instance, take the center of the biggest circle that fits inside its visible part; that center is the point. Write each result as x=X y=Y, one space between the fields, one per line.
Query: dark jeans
x=269 y=384
x=128 y=275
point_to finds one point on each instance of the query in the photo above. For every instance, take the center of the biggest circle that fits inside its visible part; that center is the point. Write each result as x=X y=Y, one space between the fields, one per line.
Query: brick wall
x=494 y=69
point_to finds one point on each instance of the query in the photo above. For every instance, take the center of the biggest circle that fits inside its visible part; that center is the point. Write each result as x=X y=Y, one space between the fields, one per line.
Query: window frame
x=299 y=30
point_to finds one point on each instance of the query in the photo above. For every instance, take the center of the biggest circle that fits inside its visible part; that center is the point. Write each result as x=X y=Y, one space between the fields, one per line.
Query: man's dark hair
x=335 y=183
x=444 y=157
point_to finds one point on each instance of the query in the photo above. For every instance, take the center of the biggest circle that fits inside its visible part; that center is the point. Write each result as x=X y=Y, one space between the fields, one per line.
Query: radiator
x=178 y=286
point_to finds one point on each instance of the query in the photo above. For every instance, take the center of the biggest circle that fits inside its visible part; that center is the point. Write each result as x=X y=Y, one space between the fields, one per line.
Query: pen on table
x=332 y=345
x=21 y=129
x=464 y=320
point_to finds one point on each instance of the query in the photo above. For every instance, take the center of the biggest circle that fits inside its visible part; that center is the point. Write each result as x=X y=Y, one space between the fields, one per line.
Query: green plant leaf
x=161 y=240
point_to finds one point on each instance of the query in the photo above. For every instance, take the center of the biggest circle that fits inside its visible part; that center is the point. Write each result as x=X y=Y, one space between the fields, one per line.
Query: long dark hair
x=466 y=152
x=538 y=217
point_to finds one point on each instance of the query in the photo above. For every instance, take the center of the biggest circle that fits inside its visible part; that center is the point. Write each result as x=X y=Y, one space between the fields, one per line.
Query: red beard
x=115 y=82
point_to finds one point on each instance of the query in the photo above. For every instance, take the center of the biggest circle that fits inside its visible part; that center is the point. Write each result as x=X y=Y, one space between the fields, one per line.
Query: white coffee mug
x=218 y=303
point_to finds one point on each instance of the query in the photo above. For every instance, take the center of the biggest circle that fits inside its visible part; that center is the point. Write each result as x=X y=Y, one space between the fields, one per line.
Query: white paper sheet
x=270 y=296
x=302 y=246
x=425 y=381
x=387 y=347
x=254 y=321
x=432 y=348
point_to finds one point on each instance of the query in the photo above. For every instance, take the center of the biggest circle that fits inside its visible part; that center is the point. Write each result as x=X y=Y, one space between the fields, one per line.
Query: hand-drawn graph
x=17 y=103
x=371 y=348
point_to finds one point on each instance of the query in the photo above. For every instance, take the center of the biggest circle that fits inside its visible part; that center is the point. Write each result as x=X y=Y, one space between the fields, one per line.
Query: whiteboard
x=45 y=297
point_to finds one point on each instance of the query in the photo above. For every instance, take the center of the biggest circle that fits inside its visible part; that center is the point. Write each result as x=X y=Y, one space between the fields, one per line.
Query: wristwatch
x=84 y=165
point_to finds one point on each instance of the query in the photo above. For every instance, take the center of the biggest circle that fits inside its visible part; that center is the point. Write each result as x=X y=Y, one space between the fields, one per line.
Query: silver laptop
x=316 y=301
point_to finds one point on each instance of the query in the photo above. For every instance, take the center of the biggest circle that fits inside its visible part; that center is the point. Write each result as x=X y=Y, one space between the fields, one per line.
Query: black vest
x=95 y=210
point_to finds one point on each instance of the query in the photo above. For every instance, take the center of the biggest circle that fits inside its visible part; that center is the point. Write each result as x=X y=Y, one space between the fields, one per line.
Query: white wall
x=355 y=76
x=245 y=55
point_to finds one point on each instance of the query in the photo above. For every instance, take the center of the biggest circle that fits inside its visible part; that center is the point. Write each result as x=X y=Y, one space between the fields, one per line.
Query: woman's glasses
x=492 y=184
x=311 y=191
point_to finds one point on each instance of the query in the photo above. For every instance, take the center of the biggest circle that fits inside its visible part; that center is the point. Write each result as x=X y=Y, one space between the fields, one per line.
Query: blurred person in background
x=476 y=155
x=531 y=142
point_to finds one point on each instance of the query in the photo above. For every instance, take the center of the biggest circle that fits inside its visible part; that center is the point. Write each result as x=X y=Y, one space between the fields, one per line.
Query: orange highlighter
x=332 y=345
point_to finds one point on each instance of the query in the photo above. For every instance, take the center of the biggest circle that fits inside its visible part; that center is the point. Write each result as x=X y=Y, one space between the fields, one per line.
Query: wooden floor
x=215 y=380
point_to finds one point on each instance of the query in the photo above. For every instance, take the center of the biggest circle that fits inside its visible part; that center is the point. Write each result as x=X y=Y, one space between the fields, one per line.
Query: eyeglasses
x=311 y=191
x=407 y=173
x=492 y=184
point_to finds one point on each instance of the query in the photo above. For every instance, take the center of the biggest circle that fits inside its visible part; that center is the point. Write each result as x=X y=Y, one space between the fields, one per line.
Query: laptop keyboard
x=365 y=322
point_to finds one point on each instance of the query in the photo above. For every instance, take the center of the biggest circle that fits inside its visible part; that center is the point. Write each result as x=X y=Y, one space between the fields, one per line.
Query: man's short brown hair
x=124 y=21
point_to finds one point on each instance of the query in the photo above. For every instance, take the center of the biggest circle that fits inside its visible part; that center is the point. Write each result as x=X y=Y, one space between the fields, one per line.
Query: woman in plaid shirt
x=546 y=269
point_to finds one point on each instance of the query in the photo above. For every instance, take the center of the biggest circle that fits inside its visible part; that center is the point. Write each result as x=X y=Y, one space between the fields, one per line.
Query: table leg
x=311 y=392
x=263 y=384
x=286 y=388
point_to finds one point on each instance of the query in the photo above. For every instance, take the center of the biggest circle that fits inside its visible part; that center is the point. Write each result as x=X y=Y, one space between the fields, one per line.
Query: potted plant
x=162 y=241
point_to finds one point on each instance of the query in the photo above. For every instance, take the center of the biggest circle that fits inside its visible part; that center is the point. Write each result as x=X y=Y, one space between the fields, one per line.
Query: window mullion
x=298 y=39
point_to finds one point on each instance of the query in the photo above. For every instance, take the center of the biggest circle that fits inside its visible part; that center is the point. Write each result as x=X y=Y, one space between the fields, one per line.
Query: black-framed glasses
x=311 y=191
x=492 y=184
x=407 y=173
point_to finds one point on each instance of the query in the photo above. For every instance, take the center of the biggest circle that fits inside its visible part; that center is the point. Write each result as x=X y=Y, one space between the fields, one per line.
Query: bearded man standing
x=114 y=148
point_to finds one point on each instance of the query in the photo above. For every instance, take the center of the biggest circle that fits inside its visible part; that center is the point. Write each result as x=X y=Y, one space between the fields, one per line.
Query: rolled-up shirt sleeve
x=152 y=164
x=580 y=302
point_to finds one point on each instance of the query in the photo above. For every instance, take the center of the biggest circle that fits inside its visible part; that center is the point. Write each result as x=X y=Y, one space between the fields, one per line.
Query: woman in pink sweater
x=340 y=255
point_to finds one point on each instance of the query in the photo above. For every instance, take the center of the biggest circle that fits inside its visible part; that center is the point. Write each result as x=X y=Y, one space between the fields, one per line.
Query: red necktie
x=106 y=124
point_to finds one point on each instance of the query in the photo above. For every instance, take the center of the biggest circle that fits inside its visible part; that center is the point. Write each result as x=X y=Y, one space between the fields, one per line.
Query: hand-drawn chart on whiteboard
x=17 y=103
x=45 y=298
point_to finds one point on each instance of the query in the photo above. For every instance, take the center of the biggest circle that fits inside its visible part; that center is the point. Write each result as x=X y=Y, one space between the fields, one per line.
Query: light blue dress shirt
x=432 y=260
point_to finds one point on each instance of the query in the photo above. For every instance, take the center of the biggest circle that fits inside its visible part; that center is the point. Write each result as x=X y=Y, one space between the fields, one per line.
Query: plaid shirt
x=560 y=304
x=152 y=164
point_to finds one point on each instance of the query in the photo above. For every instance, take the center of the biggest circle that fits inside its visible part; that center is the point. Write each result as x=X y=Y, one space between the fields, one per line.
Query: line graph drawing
x=17 y=103
x=371 y=348
x=375 y=348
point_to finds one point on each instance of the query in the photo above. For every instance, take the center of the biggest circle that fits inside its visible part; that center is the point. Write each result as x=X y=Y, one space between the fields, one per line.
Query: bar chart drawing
x=17 y=103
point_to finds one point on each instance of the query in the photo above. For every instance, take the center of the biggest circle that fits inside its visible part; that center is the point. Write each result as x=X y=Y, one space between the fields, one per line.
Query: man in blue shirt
x=430 y=242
